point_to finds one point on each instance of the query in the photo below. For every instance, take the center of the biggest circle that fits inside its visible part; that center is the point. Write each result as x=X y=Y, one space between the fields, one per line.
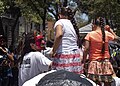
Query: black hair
x=66 y=11
x=99 y=21
x=29 y=38
x=3 y=38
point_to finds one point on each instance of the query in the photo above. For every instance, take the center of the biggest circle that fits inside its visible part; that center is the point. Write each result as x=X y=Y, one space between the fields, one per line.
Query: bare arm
x=111 y=31
x=58 y=38
x=107 y=27
x=86 y=50
x=10 y=56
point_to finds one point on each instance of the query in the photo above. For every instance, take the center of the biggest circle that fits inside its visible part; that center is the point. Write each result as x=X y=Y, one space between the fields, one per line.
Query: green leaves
x=1 y=7
x=33 y=9
x=109 y=9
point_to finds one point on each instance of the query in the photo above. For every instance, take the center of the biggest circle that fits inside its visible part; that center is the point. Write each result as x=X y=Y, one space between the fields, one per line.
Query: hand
x=107 y=27
x=52 y=54
x=3 y=50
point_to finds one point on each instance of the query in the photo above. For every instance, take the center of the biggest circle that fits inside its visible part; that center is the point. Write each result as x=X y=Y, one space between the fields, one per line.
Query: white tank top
x=69 y=38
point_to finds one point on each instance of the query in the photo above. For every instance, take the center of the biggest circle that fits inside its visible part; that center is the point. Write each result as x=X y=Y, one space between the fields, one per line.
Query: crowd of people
x=6 y=64
x=27 y=61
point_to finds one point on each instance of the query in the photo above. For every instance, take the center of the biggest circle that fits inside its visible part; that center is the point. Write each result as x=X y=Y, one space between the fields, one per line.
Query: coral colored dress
x=99 y=69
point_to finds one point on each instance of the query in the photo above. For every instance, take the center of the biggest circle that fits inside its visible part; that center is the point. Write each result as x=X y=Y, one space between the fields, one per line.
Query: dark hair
x=3 y=38
x=66 y=11
x=100 y=22
x=29 y=38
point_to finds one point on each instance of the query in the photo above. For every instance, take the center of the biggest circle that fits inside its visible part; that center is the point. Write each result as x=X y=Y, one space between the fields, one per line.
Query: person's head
x=65 y=13
x=29 y=43
x=100 y=22
x=2 y=41
x=39 y=40
x=40 y=43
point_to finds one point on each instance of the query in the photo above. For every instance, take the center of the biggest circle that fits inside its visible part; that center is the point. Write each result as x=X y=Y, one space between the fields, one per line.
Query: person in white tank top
x=66 y=43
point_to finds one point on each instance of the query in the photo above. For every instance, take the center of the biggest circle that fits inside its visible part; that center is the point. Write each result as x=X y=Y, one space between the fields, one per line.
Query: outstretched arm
x=10 y=56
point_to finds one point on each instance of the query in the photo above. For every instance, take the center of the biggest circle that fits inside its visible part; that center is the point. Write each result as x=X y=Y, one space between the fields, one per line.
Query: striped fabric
x=69 y=62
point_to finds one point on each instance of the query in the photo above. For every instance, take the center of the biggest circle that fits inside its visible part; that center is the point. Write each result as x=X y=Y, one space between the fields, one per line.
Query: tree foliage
x=109 y=9
x=4 y=5
x=35 y=10
x=32 y=10
x=1 y=7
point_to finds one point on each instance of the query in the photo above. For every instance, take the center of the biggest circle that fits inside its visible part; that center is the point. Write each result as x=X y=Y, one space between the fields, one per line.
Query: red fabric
x=40 y=43
x=69 y=62
x=67 y=56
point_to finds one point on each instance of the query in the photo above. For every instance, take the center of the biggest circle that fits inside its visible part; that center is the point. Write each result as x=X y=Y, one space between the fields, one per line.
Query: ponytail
x=72 y=19
x=103 y=35
x=100 y=22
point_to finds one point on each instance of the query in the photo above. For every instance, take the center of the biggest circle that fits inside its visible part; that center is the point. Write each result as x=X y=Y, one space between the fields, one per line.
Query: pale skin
x=107 y=28
x=58 y=36
x=57 y=40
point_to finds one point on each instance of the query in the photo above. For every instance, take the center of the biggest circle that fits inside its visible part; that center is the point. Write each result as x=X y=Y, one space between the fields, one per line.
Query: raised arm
x=107 y=27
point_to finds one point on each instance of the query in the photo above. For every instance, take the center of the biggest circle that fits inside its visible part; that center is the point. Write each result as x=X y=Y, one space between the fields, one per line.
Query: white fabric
x=36 y=79
x=47 y=51
x=33 y=64
x=117 y=81
x=69 y=38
